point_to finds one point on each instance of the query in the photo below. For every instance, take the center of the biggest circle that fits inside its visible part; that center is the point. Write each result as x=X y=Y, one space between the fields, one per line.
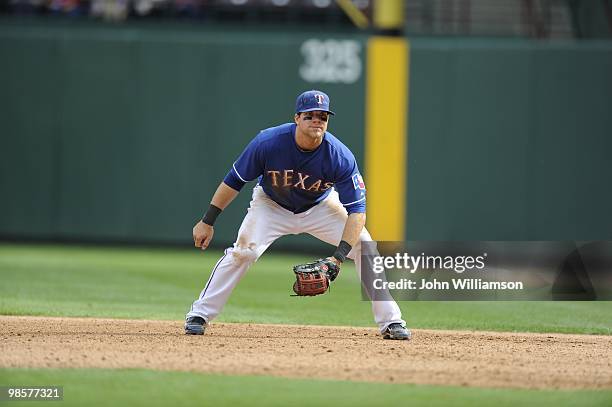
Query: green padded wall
x=123 y=133
x=510 y=140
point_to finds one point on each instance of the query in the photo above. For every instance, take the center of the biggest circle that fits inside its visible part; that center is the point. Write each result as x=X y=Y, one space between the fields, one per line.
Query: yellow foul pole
x=386 y=124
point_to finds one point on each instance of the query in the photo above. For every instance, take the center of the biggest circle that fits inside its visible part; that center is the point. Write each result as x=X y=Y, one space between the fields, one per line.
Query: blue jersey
x=295 y=179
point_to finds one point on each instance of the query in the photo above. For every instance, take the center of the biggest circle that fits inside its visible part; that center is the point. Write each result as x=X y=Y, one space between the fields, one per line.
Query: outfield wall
x=122 y=133
x=118 y=133
x=510 y=140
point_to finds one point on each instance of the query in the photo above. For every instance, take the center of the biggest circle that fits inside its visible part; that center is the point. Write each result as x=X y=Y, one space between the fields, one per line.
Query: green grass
x=89 y=387
x=161 y=284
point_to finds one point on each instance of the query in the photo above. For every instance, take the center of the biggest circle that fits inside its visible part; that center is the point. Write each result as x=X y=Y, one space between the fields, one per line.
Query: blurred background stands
x=504 y=18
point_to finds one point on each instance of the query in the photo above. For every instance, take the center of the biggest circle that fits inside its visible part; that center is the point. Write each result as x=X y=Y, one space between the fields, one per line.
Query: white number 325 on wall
x=332 y=61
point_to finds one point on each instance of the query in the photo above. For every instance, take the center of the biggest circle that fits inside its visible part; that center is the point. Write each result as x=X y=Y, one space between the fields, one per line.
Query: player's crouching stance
x=308 y=182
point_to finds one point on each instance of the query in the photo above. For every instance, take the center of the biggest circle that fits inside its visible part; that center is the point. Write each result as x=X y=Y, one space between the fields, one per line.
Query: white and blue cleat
x=396 y=331
x=195 y=326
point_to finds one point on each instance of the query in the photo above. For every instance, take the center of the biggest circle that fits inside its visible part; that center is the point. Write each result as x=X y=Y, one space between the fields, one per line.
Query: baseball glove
x=313 y=278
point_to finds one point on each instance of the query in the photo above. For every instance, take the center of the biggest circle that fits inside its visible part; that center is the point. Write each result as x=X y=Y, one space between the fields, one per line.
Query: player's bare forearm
x=353 y=227
x=350 y=236
x=202 y=231
x=223 y=196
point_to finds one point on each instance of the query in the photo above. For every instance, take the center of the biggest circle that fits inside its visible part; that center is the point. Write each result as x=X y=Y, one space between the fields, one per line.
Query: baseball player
x=308 y=182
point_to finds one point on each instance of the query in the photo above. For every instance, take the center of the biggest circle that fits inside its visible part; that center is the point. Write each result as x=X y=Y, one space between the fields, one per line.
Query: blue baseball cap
x=312 y=100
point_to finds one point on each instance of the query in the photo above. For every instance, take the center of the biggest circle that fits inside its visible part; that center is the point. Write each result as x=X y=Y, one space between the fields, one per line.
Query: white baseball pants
x=265 y=222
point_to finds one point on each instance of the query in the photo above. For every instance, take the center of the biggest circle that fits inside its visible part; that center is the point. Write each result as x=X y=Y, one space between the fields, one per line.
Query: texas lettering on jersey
x=286 y=178
x=296 y=179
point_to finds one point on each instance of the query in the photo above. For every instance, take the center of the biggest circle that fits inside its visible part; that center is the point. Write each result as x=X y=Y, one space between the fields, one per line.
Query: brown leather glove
x=313 y=278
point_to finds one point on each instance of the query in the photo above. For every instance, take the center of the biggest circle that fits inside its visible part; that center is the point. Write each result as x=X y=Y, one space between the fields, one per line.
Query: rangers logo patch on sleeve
x=358 y=182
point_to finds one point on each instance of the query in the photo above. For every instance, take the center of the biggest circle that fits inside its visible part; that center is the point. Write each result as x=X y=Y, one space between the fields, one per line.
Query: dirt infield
x=459 y=358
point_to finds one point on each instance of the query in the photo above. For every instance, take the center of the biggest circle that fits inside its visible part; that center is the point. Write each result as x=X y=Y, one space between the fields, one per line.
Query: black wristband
x=211 y=214
x=342 y=251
